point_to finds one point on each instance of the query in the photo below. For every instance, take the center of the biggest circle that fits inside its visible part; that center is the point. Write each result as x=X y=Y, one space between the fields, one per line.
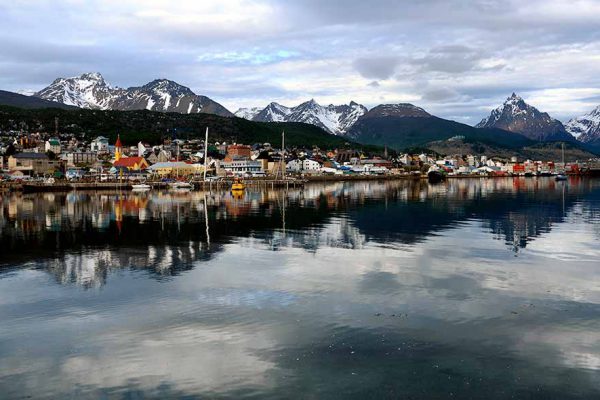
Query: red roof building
x=132 y=163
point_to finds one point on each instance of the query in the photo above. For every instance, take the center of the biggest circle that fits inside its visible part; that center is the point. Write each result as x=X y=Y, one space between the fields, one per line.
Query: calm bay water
x=469 y=289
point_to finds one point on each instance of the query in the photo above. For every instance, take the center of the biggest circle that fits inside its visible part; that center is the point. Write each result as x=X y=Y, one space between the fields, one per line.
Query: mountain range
x=586 y=128
x=512 y=124
x=517 y=116
x=91 y=91
x=406 y=125
x=333 y=119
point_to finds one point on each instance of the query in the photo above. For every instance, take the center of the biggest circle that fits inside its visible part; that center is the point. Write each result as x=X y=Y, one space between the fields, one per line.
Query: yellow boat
x=238 y=185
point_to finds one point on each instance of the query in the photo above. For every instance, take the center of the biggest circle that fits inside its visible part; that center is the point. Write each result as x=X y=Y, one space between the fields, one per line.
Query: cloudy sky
x=456 y=58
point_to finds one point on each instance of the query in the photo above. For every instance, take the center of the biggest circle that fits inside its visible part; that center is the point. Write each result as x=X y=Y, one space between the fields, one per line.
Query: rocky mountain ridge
x=515 y=115
x=91 y=91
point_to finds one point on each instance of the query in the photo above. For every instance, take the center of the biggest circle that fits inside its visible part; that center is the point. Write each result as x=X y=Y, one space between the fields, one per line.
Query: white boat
x=181 y=186
x=561 y=177
x=141 y=187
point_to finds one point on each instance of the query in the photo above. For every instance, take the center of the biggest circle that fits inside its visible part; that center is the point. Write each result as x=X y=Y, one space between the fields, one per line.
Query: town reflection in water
x=471 y=288
x=166 y=231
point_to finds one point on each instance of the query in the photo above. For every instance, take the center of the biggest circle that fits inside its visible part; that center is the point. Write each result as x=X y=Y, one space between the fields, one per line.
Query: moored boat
x=181 y=185
x=141 y=187
x=436 y=175
x=46 y=187
x=561 y=177
x=238 y=185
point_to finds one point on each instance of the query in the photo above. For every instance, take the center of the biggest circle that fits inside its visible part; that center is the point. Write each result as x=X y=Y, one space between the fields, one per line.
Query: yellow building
x=176 y=168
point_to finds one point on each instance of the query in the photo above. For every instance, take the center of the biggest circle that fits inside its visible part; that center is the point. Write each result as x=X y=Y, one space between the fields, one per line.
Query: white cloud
x=331 y=51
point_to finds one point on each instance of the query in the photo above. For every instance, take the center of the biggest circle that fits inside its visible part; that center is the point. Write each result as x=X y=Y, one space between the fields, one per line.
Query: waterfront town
x=37 y=156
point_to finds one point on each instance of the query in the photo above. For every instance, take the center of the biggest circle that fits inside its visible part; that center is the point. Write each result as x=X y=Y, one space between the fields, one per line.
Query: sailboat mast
x=205 y=152
x=282 y=154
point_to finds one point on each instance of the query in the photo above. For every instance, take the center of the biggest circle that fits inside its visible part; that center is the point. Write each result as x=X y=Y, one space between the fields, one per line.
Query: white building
x=239 y=167
x=141 y=149
x=471 y=160
x=310 y=166
x=100 y=145
x=53 y=145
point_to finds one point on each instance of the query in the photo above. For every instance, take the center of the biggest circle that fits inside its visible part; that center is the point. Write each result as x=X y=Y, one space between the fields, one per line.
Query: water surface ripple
x=469 y=289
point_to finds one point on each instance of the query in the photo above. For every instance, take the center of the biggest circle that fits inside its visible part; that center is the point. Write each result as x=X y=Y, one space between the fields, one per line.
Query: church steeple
x=118 y=148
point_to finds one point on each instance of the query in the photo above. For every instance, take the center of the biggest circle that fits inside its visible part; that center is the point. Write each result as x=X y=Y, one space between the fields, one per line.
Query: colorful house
x=130 y=163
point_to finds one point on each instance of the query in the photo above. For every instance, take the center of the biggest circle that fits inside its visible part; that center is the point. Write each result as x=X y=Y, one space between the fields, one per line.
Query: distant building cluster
x=31 y=155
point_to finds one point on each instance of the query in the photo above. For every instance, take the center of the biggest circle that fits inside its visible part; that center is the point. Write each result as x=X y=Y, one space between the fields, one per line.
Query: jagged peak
x=276 y=106
x=164 y=83
x=86 y=76
x=514 y=96
x=311 y=102
x=97 y=76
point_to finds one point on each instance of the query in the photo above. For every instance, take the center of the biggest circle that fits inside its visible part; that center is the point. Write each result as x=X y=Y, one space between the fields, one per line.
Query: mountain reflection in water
x=472 y=288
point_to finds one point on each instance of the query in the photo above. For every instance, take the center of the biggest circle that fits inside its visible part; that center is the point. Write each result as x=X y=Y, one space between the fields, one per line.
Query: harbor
x=346 y=279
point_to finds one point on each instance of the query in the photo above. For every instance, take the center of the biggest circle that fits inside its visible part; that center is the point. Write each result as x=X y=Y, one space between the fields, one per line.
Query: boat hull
x=435 y=177
x=32 y=188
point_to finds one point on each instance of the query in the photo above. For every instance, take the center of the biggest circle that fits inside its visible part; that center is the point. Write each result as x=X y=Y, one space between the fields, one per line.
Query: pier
x=63 y=186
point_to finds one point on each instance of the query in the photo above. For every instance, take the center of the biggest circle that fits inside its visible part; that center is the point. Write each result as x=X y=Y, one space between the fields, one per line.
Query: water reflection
x=334 y=215
x=475 y=288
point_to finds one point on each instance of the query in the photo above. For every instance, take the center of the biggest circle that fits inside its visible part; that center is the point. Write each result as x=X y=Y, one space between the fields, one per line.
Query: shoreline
x=25 y=187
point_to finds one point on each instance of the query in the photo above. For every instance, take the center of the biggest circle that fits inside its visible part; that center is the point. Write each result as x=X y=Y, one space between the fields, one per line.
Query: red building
x=237 y=151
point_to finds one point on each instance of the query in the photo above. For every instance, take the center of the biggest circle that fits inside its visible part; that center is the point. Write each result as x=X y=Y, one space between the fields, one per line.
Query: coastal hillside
x=153 y=126
x=19 y=100
x=537 y=151
x=405 y=125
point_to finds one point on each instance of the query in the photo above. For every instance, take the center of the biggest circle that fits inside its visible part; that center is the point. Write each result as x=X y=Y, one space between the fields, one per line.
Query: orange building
x=237 y=151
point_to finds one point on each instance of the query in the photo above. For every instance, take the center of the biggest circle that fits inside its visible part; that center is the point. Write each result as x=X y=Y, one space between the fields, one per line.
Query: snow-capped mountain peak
x=517 y=116
x=247 y=113
x=160 y=86
x=90 y=90
x=274 y=112
x=585 y=128
x=332 y=118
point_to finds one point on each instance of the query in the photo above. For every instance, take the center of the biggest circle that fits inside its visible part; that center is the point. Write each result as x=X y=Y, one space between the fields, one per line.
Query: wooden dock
x=252 y=183
x=33 y=187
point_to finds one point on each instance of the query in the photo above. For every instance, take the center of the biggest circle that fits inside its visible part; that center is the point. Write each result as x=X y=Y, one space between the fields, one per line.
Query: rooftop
x=39 y=156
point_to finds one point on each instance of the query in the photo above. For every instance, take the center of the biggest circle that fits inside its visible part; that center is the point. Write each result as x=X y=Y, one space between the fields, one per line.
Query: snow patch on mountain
x=90 y=90
x=247 y=113
x=515 y=115
x=334 y=119
x=585 y=128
